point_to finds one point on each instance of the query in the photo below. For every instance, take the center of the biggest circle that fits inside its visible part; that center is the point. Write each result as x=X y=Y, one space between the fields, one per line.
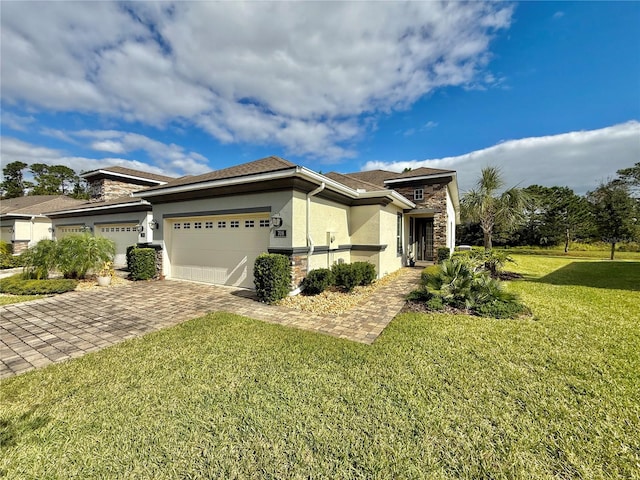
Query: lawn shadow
x=11 y=431
x=596 y=274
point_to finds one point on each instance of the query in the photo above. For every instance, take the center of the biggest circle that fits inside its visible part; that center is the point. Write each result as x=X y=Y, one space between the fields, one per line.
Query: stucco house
x=211 y=227
x=23 y=222
x=111 y=211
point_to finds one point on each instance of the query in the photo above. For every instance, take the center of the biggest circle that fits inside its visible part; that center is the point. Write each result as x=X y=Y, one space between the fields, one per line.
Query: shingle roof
x=264 y=165
x=129 y=172
x=421 y=172
x=109 y=203
x=352 y=182
x=36 y=204
x=376 y=177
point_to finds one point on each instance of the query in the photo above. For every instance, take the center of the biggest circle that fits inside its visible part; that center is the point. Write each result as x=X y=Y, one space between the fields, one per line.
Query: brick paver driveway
x=37 y=333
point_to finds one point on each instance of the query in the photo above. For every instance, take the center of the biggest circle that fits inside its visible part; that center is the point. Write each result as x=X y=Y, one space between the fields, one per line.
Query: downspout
x=312 y=193
x=310 y=245
x=31 y=243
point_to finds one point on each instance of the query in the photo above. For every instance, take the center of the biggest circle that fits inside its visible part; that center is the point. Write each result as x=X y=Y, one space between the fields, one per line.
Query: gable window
x=418 y=194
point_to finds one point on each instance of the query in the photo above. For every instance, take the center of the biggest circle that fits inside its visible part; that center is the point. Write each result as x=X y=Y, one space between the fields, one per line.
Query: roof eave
x=421 y=177
x=121 y=175
x=97 y=208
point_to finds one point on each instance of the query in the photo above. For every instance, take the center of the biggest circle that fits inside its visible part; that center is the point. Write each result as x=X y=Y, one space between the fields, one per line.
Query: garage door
x=218 y=249
x=123 y=234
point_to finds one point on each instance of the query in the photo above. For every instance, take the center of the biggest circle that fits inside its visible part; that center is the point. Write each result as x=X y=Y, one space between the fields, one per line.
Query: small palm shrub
x=458 y=283
x=317 y=281
x=491 y=260
x=78 y=254
x=40 y=259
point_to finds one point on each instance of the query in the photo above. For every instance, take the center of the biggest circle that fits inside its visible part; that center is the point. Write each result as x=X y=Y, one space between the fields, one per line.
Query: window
x=264 y=223
x=208 y=224
x=399 y=234
x=222 y=224
x=197 y=224
x=128 y=229
x=249 y=224
x=176 y=226
x=235 y=224
x=186 y=225
x=418 y=194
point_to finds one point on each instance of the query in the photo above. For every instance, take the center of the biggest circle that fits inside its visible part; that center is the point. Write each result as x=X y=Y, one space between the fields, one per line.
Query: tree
x=631 y=177
x=614 y=213
x=13 y=184
x=484 y=205
x=52 y=179
x=555 y=215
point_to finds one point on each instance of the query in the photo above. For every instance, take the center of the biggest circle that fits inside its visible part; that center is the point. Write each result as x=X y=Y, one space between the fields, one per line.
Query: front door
x=424 y=239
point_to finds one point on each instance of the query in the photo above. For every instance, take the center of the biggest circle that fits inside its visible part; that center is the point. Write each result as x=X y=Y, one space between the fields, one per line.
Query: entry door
x=424 y=239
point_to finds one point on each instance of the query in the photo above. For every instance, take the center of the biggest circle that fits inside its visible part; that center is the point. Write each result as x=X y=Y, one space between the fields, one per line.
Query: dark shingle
x=264 y=165
x=36 y=204
x=353 y=182
x=129 y=172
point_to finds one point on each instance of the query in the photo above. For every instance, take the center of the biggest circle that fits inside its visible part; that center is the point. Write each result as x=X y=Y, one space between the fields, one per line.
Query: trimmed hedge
x=141 y=263
x=272 y=277
x=350 y=275
x=317 y=281
x=443 y=254
x=18 y=285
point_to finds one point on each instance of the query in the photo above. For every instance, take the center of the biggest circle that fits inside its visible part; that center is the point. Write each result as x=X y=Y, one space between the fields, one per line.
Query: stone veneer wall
x=20 y=246
x=435 y=197
x=299 y=264
x=106 y=189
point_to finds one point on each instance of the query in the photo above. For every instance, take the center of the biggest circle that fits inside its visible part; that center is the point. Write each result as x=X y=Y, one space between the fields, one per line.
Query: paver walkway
x=40 y=332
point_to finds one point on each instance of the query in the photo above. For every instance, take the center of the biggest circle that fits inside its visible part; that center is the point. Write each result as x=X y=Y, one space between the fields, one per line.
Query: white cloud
x=580 y=160
x=559 y=14
x=170 y=160
x=16 y=122
x=308 y=76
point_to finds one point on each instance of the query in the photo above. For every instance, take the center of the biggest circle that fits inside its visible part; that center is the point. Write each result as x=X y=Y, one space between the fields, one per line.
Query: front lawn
x=436 y=396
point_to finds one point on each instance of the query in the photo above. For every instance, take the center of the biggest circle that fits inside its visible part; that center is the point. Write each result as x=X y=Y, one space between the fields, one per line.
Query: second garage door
x=123 y=234
x=218 y=249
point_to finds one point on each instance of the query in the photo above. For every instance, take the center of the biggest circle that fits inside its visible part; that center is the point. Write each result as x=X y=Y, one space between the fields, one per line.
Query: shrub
x=272 y=277
x=443 y=254
x=40 y=259
x=427 y=272
x=435 y=303
x=365 y=271
x=142 y=263
x=77 y=254
x=317 y=281
x=18 y=285
x=7 y=258
x=420 y=295
x=492 y=260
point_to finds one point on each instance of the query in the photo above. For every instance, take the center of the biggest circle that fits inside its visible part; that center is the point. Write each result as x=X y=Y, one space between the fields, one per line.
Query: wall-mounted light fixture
x=139 y=228
x=11 y=230
x=87 y=228
x=154 y=225
x=276 y=220
x=51 y=229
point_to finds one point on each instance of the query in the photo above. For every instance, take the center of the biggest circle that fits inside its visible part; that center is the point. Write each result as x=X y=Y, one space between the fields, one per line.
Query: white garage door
x=123 y=234
x=218 y=249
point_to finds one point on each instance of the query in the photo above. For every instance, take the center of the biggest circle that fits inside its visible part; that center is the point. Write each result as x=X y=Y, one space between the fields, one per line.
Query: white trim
x=27 y=215
x=102 y=207
x=123 y=175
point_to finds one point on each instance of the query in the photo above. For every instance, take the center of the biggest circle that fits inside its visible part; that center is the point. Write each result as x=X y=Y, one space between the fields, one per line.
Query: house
x=111 y=211
x=23 y=222
x=211 y=227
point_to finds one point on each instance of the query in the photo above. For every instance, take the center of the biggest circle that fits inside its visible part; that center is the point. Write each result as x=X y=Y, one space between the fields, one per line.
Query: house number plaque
x=281 y=233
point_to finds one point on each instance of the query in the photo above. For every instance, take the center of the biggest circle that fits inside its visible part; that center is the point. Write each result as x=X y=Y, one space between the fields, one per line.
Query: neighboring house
x=211 y=227
x=22 y=219
x=111 y=212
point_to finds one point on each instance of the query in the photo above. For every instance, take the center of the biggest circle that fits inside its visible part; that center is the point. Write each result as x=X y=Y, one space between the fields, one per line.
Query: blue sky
x=548 y=91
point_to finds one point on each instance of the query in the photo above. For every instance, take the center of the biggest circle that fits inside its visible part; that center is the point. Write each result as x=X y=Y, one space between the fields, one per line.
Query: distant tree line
x=551 y=216
x=47 y=180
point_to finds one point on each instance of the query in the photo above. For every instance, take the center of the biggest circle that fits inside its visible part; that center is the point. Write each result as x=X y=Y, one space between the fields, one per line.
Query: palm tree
x=483 y=204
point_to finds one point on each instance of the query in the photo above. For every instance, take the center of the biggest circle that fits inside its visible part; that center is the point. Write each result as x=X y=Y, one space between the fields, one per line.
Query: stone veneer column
x=299 y=265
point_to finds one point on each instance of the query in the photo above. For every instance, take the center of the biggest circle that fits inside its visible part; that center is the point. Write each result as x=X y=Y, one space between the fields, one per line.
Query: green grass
x=599 y=253
x=9 y=299
x=436 y=396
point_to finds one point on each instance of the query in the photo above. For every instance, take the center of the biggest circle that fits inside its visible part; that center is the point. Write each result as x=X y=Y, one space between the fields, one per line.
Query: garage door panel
x=123 y=235
x=215 y=252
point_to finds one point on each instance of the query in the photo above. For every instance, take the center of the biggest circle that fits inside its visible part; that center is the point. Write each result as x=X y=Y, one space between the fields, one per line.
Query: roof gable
x=128 y=173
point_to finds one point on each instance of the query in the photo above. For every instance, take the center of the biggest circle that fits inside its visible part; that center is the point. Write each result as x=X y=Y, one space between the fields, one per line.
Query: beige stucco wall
x=6 y=233
x=389 y=260
x=40 y=230
x=365 y=225
x=325 y=216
